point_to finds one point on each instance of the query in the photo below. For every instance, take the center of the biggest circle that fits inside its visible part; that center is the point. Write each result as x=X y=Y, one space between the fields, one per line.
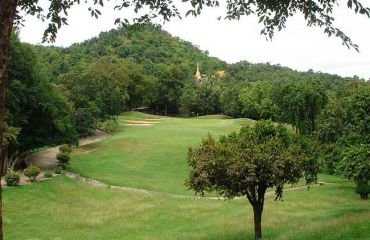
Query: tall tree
x=229 y=98
x=7 y=17
x=168 y=88
x=247 y=163
x=35 y=108
x=302 y=102
x=257 y=100
x=97 y=90
x=355 y=165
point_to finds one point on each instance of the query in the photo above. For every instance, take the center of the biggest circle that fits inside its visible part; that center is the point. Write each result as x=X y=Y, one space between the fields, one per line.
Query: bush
x=12 y=178
x=63 y=159
x=363 y=190
x=58 y=169
x=48 y=174
x=32 y=172
x=109 y=125
x=65 y=148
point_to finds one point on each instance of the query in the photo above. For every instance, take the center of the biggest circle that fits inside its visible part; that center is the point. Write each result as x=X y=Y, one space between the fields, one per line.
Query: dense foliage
x=37 y=112
x=344 y=132
x=63 y=159
x=12 y=178
x=65 y=148
x=156 y=70
x=48 y=174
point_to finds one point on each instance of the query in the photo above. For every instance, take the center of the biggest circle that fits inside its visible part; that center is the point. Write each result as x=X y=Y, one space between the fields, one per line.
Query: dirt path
x=130 y=189
x=46 y=160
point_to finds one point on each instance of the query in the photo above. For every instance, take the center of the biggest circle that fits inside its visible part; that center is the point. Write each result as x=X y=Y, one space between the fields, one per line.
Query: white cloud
x=298 y=46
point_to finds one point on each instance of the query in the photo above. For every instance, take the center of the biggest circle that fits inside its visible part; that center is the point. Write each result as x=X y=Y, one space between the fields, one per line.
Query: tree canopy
x=37 y=113
x=247 y=163
x=161 y=69
x=273 y=15
x=344 y=133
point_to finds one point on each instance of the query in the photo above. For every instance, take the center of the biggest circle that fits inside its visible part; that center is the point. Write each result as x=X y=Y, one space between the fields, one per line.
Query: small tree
x=355 y=165
x=65 y=148
x=247 y=163
x=32 y=172
x=63 y=159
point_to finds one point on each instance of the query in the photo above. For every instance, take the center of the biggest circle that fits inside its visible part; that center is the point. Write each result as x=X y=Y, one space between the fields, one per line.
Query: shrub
x=363 y=190
x=109 y=125
x=32 y=172
x=58 y=169
x=63 y=159
x=48 y=174
x=12 y=178
x=65 y=148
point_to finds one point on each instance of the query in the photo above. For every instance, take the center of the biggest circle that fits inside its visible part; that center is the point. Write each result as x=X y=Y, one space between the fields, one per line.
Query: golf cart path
x=139 y=190
x=47 y=160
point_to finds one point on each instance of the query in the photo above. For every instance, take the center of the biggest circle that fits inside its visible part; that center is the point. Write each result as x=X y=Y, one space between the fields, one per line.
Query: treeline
x=166 y=66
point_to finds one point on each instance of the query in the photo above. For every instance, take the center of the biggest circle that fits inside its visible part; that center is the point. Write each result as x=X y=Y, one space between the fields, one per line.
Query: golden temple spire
x=198 y=76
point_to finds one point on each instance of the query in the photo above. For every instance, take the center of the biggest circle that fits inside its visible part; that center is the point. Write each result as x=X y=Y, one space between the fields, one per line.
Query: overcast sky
x=298 y=46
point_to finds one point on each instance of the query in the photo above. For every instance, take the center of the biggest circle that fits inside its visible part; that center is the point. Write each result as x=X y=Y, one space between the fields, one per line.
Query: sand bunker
x=145 y=122
x=139 y=124
x=155 y=119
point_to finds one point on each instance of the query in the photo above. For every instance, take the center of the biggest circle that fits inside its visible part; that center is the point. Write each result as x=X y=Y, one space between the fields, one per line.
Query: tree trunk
x=257 y=210
x=7 y=15
x=296 y=124
x=165 y=109
x=256 y=197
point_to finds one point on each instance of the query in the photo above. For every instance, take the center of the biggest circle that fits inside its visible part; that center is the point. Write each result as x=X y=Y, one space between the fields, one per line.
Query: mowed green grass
x=149 y=157
x=63 y=209
x=154 y=157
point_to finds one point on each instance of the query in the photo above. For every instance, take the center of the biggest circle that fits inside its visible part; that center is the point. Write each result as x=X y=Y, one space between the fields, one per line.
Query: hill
x=149 y=46
x=154 y=48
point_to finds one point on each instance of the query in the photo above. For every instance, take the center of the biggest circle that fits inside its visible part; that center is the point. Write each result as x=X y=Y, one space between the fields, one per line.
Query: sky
x=298 y=46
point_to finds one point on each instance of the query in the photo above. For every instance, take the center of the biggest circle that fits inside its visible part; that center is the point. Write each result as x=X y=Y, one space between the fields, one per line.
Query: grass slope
x=149 y=157
x=62 y=208
x=153 y=157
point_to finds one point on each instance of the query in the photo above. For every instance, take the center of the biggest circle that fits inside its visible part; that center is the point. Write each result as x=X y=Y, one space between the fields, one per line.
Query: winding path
x=47 y=160
x=131 y=189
